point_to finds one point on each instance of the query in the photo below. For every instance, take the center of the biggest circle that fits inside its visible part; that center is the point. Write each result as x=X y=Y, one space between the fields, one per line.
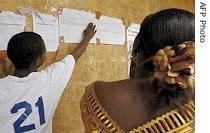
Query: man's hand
x=89 y=33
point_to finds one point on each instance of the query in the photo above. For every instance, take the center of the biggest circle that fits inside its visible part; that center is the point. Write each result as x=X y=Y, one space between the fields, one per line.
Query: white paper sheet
x=47 y=26
x=132 y=32
x=111 y=30
x=72 y=24
x=10 y=24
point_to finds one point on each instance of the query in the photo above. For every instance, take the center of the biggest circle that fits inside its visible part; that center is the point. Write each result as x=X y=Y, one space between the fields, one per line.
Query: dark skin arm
x=89 y=32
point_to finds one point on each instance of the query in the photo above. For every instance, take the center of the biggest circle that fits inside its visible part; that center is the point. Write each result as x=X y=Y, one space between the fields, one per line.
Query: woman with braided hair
x=160 y=96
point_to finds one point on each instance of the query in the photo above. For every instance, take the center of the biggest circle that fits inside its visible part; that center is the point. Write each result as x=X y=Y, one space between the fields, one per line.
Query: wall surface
x=99 y=62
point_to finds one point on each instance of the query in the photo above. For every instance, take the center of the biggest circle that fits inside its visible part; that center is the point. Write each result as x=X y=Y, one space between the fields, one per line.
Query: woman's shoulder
x=114 y=89
x=121 y=85
x=94 y=116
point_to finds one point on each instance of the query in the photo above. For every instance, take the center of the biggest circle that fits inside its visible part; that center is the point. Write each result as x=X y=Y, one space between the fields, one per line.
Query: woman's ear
x=132 y=69
x=134 y=60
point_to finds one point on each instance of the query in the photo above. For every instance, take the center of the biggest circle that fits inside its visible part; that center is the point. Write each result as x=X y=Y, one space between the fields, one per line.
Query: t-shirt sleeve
x=59 y=73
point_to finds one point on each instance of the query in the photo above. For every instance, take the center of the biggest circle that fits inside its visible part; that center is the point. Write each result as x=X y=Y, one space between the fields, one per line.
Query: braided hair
x=23 y=48
x=168 y=27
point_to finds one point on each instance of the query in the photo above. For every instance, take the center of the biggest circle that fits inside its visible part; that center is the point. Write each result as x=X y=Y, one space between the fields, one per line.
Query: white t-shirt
x=28 y=104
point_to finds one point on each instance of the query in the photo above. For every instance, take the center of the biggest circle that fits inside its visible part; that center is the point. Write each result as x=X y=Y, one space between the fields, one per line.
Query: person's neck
x=23 y=72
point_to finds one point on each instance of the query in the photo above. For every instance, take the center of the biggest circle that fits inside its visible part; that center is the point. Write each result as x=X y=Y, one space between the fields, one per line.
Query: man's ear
x=38 y=62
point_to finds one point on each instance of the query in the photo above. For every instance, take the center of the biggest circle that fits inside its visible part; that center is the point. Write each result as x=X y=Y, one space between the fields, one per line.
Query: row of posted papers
x=70 y=25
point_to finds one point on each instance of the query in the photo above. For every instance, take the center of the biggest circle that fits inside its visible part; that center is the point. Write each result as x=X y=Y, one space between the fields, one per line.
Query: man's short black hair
x=23 y=48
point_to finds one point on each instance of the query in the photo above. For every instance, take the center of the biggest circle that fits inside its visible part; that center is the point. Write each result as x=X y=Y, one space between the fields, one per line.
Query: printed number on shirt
x=28 y=110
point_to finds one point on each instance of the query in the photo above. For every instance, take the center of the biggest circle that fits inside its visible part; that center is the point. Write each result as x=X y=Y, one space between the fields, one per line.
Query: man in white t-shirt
x=28 y=99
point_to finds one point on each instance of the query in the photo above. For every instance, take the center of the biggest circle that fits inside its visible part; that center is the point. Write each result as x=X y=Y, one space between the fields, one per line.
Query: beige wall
x=99 y=62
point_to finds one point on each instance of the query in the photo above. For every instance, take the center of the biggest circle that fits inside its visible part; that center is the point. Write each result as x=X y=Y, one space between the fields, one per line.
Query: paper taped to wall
x=72 y=24
x=47 y=26
x=111 y=30
x=10 y=24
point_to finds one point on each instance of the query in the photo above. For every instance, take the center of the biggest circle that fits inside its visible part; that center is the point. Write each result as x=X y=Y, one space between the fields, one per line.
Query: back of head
x=166 y=27
x=169 y=27
x=23 y=48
